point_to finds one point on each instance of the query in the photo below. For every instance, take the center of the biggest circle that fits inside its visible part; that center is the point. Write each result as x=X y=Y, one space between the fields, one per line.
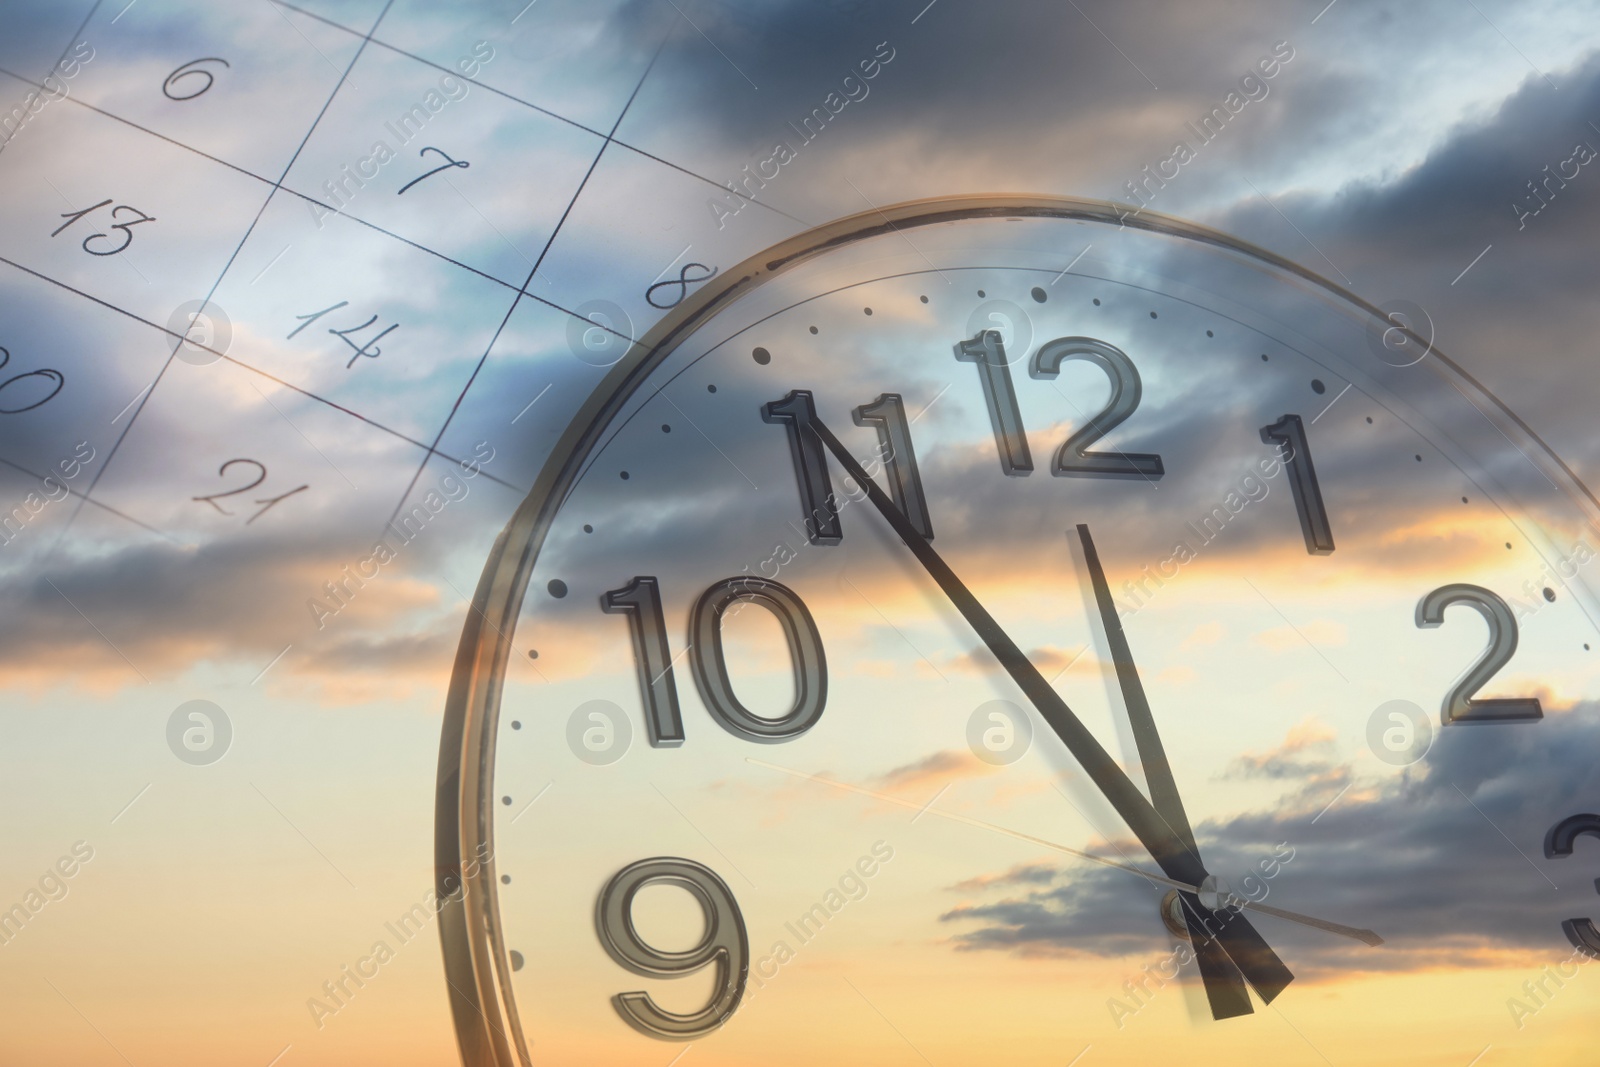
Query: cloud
x=940 y=769
x=1061 y=920
x=1444 y=860
x=1204 y=635
x=1415 y=213
x=1050 y=660
x=1308 y=755
x=1320 y=633
x=1022 y=874
x=151 y=610
x=1412 y=231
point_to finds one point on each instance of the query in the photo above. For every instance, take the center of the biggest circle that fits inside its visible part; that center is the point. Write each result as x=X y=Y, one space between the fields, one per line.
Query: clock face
x=986 y=632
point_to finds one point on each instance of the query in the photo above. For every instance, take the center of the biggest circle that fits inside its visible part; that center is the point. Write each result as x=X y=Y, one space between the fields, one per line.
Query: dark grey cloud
x=1444 y=861
x=1023 y=874
x=1020 y=95
x=1392 y=163
x=1309 y=756
x=1084 y=915
x=92 y=610
x=1527 y=303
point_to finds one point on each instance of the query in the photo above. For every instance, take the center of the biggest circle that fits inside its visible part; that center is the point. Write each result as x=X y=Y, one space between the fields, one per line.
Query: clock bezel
x=477 y=967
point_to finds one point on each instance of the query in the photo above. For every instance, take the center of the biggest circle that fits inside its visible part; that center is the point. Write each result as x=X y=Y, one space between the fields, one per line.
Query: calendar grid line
x=144 y=400
x=246 y=172
x=268 y=181
x=241 y=364
x=97 y=503
x=516 y=301
x=202 y=600
x=342 y=28
x=76 y=37
x=719 y=186
x=554 y=305
x=86 y=495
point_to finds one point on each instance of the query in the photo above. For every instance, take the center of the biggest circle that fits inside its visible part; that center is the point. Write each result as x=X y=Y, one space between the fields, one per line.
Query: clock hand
x=1355 y=933
x=1223 y=981
x=1152 y=754
x=1260 y=965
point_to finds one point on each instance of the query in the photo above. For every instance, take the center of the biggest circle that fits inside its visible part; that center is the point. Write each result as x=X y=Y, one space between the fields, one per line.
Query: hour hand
x=1231 y=951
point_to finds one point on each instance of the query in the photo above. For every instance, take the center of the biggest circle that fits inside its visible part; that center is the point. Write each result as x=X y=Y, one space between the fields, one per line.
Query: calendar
x=661 y=532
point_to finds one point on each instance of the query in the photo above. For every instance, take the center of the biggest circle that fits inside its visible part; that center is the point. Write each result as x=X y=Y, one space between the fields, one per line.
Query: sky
x=550 y=176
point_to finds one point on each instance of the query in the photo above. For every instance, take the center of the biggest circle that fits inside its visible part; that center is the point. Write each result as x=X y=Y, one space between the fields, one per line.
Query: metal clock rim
x=477 y=970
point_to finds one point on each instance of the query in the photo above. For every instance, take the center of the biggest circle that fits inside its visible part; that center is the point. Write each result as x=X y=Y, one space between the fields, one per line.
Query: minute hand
x=1152 y=754
x=1260 y=964
x=1224 y=980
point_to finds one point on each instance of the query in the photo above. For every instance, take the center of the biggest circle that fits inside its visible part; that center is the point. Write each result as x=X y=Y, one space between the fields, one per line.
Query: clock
x=1008 y=630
